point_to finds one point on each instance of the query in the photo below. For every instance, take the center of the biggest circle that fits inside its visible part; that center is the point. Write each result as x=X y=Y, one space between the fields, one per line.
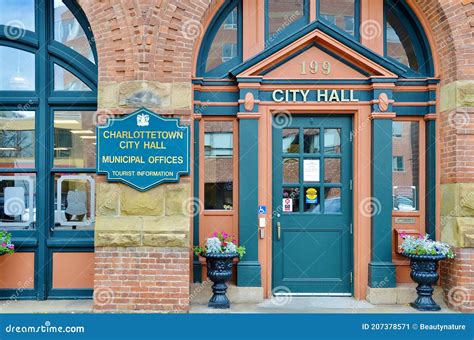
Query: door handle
x=278 y=231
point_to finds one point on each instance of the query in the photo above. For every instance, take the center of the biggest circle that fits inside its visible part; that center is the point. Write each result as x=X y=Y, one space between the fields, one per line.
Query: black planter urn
x=424 y=271
x=219 y=270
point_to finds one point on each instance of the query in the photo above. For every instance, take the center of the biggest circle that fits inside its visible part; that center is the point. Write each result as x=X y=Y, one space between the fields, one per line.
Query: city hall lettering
x=287 y=96
x=143 y=149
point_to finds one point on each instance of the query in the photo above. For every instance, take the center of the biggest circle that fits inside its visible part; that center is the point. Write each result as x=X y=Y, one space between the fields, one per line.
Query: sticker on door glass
x=287 y=205
x=312 y=196
x=311 y=170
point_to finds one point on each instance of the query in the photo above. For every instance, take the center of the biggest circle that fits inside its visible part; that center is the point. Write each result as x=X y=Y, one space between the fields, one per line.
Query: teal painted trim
x=430 y=198
x=197 y=267
x=75 y=294
x=381 y=267
x=25 y=294
x=248 y=269
x=219 y=18
x=27 y=37
x=382 y=275
x=230 y=97
x=411 y=110
x=288 y=30
x=417 y=35
x=217 y=110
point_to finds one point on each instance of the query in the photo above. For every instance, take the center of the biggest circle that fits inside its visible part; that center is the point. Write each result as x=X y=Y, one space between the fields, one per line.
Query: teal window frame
x=416 y=34
x=220 y=71
x=43 y=240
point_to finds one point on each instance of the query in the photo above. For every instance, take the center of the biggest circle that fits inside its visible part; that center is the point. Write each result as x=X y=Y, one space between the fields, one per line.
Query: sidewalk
x=275 y=305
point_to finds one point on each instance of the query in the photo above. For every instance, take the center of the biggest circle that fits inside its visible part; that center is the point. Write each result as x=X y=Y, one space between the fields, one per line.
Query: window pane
x=17 y=201
x=312 y=200
x=339 y=13
x=69 y=32
x=332 y=141
x=281 y=14
x=291 y=170
x=224 y=47
x=332 y=201
x=18 y=13
x=399 y=43
x=406 y=167
x=74 y=139
x=17 y=139
x=218 y=165
x=17 y=70
x=66 y=81
x=74 y=201
x=311 y=141
x=291 y=142
x=291 y=200
x=332 y=170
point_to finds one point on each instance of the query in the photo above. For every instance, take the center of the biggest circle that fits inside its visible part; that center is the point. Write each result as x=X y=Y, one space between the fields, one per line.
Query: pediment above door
x=348 y=59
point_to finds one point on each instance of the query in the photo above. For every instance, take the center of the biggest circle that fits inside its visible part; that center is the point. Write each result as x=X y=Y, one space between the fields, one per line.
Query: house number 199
x=313 y=67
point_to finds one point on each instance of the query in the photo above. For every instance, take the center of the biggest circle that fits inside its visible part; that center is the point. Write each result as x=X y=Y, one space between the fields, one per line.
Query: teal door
x=312 y=206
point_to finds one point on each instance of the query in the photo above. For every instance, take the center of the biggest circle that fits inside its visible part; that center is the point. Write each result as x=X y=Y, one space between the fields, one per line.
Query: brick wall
x=141 y=279
x=457 y=280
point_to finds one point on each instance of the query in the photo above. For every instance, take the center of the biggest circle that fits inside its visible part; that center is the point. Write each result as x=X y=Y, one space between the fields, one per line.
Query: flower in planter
x=220 y=242
x=423 y=245
x=6 y=247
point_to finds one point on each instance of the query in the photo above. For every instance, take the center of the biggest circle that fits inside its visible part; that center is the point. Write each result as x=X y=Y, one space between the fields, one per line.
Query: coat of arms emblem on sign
x=143 y=120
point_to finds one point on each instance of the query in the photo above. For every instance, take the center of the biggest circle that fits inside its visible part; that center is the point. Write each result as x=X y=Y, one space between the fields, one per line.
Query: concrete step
x=403 y=294
x=202 y=292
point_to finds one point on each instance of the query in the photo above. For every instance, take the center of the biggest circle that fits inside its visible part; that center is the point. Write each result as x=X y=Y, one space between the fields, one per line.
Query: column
x=248 y=269
x=381 y=268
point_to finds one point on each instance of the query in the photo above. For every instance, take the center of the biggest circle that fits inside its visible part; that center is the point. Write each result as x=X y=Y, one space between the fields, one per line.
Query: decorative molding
x=384 y=115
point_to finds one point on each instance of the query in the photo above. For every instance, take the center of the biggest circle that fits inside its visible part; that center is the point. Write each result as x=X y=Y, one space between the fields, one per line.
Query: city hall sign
x=280 y=96
x=143 y=149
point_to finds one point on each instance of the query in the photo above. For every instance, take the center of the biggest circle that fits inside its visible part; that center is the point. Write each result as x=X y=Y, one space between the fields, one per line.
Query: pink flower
x=215 y=234
x=4 y=244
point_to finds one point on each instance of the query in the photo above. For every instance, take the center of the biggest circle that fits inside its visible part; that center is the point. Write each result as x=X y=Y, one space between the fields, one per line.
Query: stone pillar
x=248 y=269
x=381 y=268
x=457 y=193
x=142 y=253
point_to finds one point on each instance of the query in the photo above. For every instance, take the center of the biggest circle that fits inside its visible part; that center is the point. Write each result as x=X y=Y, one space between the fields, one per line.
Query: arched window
x=222 y=48
x=405 y=41
x=342 y=14
x=48 y=99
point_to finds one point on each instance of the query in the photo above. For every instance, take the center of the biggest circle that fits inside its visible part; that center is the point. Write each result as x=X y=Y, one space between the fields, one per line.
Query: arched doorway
x=330 y=112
